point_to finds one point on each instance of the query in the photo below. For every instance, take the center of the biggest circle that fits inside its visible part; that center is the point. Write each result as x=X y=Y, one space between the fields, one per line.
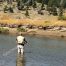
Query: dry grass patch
x=8 y=19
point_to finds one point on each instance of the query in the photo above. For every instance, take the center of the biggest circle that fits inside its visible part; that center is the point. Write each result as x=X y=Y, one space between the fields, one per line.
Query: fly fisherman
x=21 y=41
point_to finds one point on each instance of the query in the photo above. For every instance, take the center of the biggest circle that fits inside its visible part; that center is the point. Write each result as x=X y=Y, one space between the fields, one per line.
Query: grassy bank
x=33 y=22
x=4 y=30
x=34 y=32
x=38 y=20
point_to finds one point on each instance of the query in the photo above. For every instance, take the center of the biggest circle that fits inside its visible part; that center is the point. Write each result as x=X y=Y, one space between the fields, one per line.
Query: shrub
x=62 y=18
x=27 y=13
x=11 y=10
x=21 y=29
x=4 y=30
x=5 y=8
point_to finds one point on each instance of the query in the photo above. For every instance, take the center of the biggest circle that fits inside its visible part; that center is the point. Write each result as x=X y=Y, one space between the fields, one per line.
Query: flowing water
x=41 y=52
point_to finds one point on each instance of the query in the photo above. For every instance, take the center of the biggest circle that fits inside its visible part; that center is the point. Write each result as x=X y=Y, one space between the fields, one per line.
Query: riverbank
x=51 y=34
x=35 y=32
x=34 y=19
x=42 y=33
x=40 y=25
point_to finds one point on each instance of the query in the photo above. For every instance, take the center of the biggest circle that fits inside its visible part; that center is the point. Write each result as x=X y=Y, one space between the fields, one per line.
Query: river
x=41 y=52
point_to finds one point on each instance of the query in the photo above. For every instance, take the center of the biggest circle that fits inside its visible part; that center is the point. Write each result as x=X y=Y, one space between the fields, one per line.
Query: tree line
x=52 y=5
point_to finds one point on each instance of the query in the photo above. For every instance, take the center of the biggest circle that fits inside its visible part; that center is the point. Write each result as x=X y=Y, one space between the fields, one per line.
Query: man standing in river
x=21 y=41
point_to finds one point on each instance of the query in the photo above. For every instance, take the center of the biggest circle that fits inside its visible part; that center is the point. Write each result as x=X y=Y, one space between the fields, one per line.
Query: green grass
x=21 y=29
x=62 y=18
x=4 y=30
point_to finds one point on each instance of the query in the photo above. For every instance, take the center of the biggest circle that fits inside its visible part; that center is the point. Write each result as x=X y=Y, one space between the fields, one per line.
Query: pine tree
x=42 y=6
x=27 y=13
x=34 y=4
x=61 y=8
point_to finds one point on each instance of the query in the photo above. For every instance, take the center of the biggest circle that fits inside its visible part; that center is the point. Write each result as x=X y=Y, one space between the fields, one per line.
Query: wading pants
x=20 y=49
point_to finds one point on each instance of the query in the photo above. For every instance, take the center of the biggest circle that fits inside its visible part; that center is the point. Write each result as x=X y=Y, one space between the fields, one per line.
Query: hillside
x=19 y=17
x=34 y=18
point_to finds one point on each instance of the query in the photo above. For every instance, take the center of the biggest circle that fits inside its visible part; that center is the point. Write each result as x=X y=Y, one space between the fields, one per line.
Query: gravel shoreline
x=37 y=32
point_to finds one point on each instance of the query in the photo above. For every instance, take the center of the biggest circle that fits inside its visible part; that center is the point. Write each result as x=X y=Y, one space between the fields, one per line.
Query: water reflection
x=20 y=60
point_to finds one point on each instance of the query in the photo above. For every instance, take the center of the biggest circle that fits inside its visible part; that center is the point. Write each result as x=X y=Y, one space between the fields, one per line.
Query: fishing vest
x=20 y=39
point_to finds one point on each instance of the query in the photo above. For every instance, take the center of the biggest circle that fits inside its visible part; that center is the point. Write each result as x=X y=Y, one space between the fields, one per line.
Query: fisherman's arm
x=16 y=41
x=25 y=40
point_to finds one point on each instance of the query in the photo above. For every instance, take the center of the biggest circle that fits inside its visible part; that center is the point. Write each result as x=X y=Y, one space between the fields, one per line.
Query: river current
x=42 y=51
